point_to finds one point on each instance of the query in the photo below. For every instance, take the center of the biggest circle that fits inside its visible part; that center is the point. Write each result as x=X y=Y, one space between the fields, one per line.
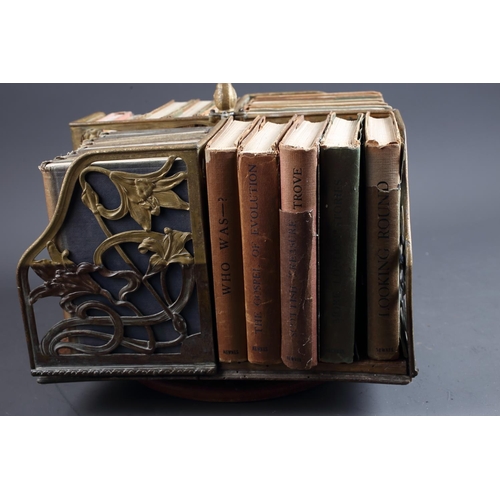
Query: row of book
x=251 y=105
x=304 y=223
x=171 y=109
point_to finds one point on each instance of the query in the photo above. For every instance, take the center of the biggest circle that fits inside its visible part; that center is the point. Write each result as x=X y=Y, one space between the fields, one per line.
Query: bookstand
x=99 y=345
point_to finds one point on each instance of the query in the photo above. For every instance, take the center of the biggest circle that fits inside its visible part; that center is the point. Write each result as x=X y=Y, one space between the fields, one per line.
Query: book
x=200 y=108
x=167 y=109
x=313 y=105
x=129 y=218
x=54 y=171
x=259 y=192
x=194 y=107
x=339 y=180
x=116 y=116
x=194 y=112
x=225 y=239
x=299 y=151
x=383 y=160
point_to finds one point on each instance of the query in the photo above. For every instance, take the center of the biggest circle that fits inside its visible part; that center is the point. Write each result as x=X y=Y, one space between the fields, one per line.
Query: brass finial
x=225 y=97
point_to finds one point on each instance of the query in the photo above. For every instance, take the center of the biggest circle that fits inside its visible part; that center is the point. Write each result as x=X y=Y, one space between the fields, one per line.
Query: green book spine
x=338 y=240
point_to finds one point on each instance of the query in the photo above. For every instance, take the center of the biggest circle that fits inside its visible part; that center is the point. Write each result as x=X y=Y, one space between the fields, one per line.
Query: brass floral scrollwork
x=168 y=249
x=141 y=195
x=88 y=303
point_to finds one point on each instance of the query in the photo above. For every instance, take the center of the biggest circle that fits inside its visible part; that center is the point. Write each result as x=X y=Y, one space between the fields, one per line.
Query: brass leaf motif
x=141 y=195
x=167 y=249
x=62 y=277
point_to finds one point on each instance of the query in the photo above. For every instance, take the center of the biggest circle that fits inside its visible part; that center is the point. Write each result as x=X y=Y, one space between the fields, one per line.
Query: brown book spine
x=227 y=268
x=383 y=227
x=299 y=170
x=258 y=183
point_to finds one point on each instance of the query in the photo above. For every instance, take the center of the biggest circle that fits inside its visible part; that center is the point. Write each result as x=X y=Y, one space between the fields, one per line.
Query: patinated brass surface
x=65 y=348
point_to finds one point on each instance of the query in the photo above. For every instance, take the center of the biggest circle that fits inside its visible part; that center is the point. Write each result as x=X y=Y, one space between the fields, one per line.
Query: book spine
x=52 y=181
x=227 y=268
x=338 y=238
x=298 y=236
x=258 y=185
x=53 y=178
x=382 y=239
x=51 y=189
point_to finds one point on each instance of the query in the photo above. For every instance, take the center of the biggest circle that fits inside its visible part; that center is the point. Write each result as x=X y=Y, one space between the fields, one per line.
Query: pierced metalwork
x=402 y=284
x=406 y=259
x=103 y=314
x=141 y=195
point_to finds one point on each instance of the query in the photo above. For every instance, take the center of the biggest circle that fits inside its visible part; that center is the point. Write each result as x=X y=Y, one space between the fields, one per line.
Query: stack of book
x=194 y=112
x=304 y=219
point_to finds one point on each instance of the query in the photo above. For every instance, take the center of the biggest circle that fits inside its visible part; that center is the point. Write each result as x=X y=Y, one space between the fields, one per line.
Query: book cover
x=126 y=218
x=339 y=179
x=225 y=239
x=259 y=193
x=383 y=192
x=299 y=152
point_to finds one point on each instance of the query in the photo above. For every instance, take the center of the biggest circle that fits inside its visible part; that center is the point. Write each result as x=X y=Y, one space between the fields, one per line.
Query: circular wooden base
x=229 y=391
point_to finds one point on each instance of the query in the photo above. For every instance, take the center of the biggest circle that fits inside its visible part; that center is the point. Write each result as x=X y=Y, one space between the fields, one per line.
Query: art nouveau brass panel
x=134 y=288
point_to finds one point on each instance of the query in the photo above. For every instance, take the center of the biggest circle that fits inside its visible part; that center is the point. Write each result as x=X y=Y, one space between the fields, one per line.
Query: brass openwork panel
x=125 y=257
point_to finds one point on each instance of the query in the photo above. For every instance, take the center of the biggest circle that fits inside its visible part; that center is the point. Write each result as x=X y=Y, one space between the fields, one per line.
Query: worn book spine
x=299 y=170
x=258 y=184
x=52 y=181
x=227 y=267
x=338 y=238
x=382 y=240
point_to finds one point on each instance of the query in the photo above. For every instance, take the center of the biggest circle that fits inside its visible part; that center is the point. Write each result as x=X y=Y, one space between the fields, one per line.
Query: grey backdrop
x=453 y=133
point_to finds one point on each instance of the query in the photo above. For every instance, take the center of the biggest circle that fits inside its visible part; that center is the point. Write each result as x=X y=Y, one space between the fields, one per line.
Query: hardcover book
x=259 y=194
x=299 y=151
x=171 y=114
x=225 y=239
x=383 y=198
x=339 y=178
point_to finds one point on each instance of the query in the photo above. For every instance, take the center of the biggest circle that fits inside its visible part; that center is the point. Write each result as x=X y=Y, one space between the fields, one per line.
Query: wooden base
x=230 y=391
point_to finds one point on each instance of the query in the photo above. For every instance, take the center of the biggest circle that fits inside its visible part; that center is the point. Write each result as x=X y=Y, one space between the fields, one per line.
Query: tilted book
x=169 y=115
x=383 y=199
x=339 y=178
x=259 y=193
x=225 y=239
x=299 y=151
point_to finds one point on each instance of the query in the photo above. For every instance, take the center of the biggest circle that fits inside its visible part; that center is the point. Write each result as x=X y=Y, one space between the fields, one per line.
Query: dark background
x=453 y=135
